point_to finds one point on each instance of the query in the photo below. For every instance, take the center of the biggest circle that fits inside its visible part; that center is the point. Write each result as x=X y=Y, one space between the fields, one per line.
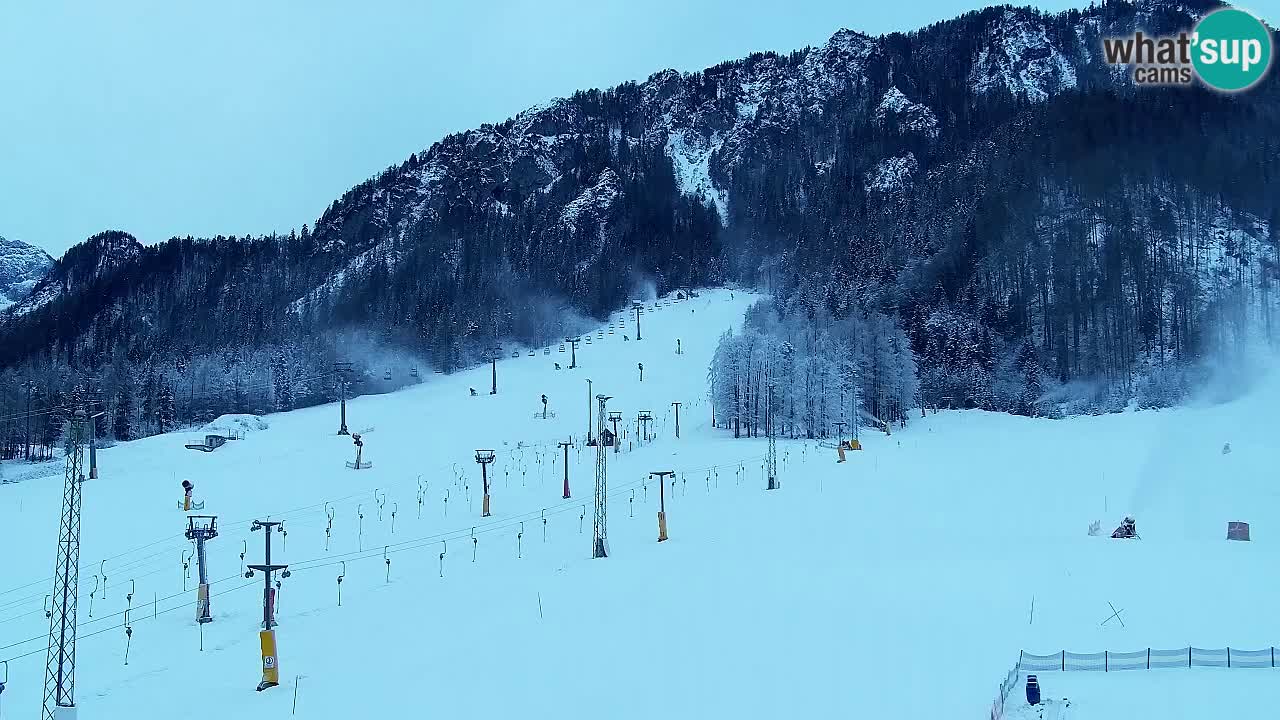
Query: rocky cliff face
x=21 y=267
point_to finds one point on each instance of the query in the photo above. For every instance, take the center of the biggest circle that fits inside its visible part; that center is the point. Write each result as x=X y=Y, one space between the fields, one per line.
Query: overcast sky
x=173 y=118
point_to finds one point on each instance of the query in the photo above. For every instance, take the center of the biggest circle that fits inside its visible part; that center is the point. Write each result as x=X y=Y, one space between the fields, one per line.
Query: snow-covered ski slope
x=898 y=584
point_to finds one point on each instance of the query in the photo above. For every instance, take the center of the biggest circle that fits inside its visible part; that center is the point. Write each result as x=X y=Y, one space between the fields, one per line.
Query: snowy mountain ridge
x=707 y=140
x=22 y=266
x=94 y=259
x=901 y=173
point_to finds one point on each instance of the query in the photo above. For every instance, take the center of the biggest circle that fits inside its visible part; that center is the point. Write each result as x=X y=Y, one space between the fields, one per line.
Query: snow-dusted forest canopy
x=802 y=375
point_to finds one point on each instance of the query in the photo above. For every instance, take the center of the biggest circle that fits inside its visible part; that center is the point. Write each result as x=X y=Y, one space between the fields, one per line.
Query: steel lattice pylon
x=600 y=525
x=60 y=667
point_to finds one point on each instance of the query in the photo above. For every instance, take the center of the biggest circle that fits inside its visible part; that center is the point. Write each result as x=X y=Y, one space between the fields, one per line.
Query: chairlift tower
x=343 y=370
x=662 y=476
x=677 y=405
x=643 y=419
x=639 y=308
x=201 y=528
x=60 y=663
x=573 y=350
x=565 y=446
x=494 y=353
x=600 y=523
x=484 y=457
x=614 y=419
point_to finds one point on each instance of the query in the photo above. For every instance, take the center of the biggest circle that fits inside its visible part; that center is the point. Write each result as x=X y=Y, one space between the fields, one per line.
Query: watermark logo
x=1229 y=50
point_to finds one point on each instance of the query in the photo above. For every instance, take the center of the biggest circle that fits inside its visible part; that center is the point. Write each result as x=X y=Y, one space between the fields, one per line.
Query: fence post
x=1188 y=656
x=1019 y=665
x=1064 y=661
x=1148 y=658
x=1228 y=656
x=1106 y=661
x=1273 y=656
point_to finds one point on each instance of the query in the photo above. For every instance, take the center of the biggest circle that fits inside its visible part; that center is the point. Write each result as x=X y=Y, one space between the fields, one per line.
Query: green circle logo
x=1231 y=50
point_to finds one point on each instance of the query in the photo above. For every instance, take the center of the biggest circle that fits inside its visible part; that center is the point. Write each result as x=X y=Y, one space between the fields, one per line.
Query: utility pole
x=60 y=663
x=639 y=308
x=662 y=501
x=600 y=525
x=589 y=422
x=484 y=457
x=93 y=429
x=343 y=369
x=773 y=441
x=677 y=407
x=200 y=532
x=573 y=349
x=857 y=409
x=565 y=446
x=494 y=352
x=267 y=637
x=31 y=388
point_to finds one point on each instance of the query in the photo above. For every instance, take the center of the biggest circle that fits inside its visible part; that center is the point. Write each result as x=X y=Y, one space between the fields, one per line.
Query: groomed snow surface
x=898 y=584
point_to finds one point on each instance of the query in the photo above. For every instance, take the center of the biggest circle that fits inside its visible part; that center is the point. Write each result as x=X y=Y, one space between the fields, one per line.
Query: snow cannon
x=187 y=503
x=1033 y=690
x=1128 y=529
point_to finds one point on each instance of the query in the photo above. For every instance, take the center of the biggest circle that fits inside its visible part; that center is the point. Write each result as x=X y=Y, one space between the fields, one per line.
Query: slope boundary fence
x=1146 y=659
